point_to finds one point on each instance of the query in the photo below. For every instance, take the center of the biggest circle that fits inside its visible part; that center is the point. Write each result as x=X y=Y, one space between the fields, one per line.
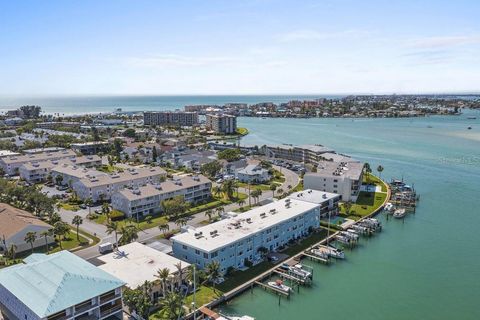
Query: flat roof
x=4 y=153
x=43 y=156
x=127 y=175
x=313 y=196
x=351 y=170
x=236 y=227
x=136 y=263
x=63 y=162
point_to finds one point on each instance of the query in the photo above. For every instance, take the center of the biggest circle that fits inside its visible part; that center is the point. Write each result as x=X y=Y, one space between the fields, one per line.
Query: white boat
x=279 y=285
x=336 y=253
x=471 y=118
x=389 y=207
x=360 y=229
x=400 y=213
x=320 y=253
x=349 y=235
x=299 y=270
x=343 y=239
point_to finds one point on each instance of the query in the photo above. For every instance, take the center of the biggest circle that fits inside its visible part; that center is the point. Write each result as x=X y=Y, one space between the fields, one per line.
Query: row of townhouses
x=11 y=164
x=145 y=200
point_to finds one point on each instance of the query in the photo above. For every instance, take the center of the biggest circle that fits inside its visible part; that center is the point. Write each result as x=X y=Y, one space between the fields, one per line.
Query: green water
x=427 y=267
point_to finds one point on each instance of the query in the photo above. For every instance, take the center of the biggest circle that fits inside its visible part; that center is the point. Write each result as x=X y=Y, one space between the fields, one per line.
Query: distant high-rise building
x=179 y=118
x=221 y=123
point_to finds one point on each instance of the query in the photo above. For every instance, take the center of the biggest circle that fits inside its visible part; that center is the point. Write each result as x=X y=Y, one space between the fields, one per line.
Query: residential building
x=101 y=186
x=59 y=286
x=241 y=238
x=57 y=124
x=135 y=263
x=8 y=153
x=253 y=173
x=92 y=147
x=15 y=224
x=43 y=150
x=328 y=201
x=35 y=172
x=221 y=123
x=145 y=200
x=177 y=118
x=344 y=178
x=11 y=164
x=72 y=173
x=304 y=153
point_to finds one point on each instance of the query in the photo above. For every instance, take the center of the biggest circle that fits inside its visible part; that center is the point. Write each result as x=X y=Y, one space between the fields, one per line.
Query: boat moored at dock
x=278 y=284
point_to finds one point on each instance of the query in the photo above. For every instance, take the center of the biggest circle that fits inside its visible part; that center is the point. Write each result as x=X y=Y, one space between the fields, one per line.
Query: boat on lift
x=278 y=284
x=400 y=213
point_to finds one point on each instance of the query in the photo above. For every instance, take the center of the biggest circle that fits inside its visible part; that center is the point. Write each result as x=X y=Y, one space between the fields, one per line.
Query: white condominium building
x=178 y=118
x=344 y=178
x=241 y=239
x=34 y=172
x=101 y=186
x=221 y=123
x=11 y=165
x=308 y=153
x=145 y=200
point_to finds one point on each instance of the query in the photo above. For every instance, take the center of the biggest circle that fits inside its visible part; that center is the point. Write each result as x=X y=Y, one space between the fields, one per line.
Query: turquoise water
x=427 y=267
x=97 y=104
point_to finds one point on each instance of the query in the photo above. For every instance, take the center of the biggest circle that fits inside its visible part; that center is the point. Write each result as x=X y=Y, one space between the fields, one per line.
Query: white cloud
x=172 y=60
x=309 y=34
x=444 y=41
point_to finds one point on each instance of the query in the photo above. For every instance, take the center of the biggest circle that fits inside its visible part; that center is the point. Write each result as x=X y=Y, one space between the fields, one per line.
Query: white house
x=253 y=173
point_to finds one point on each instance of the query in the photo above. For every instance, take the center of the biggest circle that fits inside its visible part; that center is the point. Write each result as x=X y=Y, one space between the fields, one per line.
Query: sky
x=141 y=47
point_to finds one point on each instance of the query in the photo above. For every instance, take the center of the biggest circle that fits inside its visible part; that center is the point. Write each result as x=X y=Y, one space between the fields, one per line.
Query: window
x=184 y=247
x=197 y=251
x=205 y=255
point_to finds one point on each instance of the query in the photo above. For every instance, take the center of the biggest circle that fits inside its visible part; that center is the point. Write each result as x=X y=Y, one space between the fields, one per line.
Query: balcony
x=58 y=316
x=82 y=307
x=108 y=296
x=107 y=310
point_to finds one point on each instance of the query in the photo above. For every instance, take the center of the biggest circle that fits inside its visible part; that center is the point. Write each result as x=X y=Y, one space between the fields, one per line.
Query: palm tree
x=228 y=188
x=12 y=251
x=220 y=210
x=77 y=221
x=241 y=202
x=209 y=214
x=60 y=229
x=106 y=210
x=164 y=227
x=89 y=203
x=45 y=234
x=213 y=272
x=112 y=227
x=181 y=222
x=30 y=238
x=171 y=307
x=217 y=190
x=280 y=191
x=273 y=187
x=179 y=273
x=380 y=169
x=163 y=275
x=348 y=207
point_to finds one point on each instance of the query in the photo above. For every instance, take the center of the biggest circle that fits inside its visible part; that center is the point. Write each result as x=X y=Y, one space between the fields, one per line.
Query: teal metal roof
x=47 y=284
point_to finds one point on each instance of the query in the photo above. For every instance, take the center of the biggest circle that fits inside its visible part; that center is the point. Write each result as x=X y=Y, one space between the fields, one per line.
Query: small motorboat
x=324 y=254
x=400 y=213
x=299 y=270
x=389 y=207
x=469 y=128
x=278 y=284
x=336 y=253
x=471 y=118
x=349 y=235
x=343 y=239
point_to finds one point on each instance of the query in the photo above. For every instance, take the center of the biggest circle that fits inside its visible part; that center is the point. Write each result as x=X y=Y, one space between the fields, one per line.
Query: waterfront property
x=304 y=153
x=178 y=118
x=145 y=200
x=239 y=241
x=34 y=172
x=136 y=263
x=92 y=147
x=72 y=173
x=253 y=173
x=14 y=226
x=328 y=201
x=221 y=123
x=102 y=186
x=342 y=178
x=11 y=164
x=59 y=286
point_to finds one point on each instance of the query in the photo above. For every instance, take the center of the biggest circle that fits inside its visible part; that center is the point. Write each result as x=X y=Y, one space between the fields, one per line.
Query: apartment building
x=253 y=173
x=177 y=118
x=145 y=200
x=59 y=286
x=11 y=164
x=327 y=201
x=221 y=123
x=241 y=238
x=73 y=173
x=103 y=186
x=35 y=172
x=92 y=147
x=343 y=178
x=308 y=153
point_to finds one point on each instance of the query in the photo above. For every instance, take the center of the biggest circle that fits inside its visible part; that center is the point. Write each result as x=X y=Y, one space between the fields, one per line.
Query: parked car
x=83 y=206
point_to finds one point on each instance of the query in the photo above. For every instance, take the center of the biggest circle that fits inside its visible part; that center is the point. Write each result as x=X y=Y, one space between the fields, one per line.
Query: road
x=149 y=235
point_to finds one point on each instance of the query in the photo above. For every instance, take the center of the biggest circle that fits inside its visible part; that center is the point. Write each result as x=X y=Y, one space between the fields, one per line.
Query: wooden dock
x=316 y=258
x=290 y=277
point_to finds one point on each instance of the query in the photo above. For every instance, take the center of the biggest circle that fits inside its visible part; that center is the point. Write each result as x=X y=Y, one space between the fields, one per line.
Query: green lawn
x=367 y=202
x=69 y=207
x=203 y=295
x=263 y=187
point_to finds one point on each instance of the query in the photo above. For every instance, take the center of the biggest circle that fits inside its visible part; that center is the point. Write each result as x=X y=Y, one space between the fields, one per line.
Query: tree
x=380 y=169
x=154 y=154
x=175 y=206
x=106 y=210
x=129 y=133
x=229 y=154
x=171 y=307
x=163 y=275
x=30 y=112
x=58 y=179
x=241 y=202
x=139 y=299
x=367 y=169
x=263 y=252
x=60 y=229
x=217 y=190
x=211 y=169
x=30 y=238
x=280 y=191
x=89 y=204
x=209 y=214
x=129 y=234
x=12 y=251
x=45 y=234
x=273 y=187
x=77 y=221
x=112 y=227
x=179 y=273
x=181 y=222
x=348 y=207
x=164 y=227
x=228 y=188
x=213 y=272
